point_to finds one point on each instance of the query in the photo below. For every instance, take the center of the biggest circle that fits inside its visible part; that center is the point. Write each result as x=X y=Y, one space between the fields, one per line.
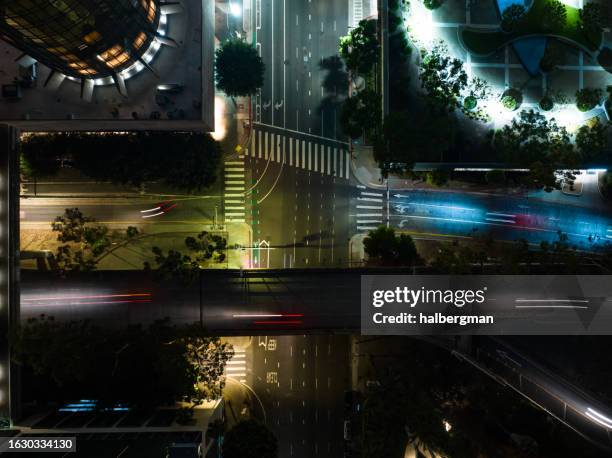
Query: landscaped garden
x=543 y=18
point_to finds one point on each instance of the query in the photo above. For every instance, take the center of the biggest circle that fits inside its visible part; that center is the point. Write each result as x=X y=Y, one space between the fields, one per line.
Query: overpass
x=292 y=301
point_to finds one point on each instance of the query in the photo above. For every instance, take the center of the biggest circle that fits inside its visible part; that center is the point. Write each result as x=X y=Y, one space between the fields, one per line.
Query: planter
x=546 y=104
x=512 y=99
x=433 y=4
x=469 y=103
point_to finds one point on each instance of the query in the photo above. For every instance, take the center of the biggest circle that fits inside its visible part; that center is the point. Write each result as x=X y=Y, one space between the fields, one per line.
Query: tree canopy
x=512 y=16
x=533 y=141
x=360 y=49
x=250 y=439
x=187 y=161
x=83 y=241
x=554 y=15
x=443 y=77
x=239 y=70
x=360 y=113
x=594 y=17
x=141 y=366
x=383 y=247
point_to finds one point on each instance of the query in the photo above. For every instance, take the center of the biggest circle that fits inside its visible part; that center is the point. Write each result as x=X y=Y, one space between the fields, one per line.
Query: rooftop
x=179 y=97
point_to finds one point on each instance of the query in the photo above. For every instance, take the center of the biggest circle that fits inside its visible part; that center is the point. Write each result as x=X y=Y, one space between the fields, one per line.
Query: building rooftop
x=178 y=96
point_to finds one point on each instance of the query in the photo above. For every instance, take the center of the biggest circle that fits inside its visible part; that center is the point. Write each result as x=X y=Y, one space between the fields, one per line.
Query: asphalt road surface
x=293 y=38
x=442 y=213
x=301 y=380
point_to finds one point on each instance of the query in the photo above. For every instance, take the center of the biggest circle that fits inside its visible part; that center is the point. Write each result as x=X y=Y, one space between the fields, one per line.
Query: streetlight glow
x=235 y=9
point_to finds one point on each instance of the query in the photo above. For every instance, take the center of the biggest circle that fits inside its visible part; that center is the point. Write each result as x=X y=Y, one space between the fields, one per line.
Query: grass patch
x=484 y=42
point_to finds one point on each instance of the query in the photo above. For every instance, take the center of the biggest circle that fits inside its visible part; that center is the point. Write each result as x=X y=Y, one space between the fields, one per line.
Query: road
x=297 y=156
x=441 y=213
x=123 y=211
x=293 y=38
x=301 y=381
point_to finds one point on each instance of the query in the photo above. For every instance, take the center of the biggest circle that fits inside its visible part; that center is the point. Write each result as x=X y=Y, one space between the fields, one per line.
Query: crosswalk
x=236 y=367
x=234 y=205
x=370 y=208
x=328 y=158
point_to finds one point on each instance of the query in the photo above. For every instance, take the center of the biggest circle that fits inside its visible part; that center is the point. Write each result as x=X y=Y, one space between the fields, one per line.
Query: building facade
x=82 y=39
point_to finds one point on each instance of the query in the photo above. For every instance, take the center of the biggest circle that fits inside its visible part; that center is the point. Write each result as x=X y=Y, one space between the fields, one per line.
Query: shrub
x=512 y=99
x=588 y=98
x=546 y=104
x=470 y=102
x=512 y=16
x=433 y=4
x=509 y=102
x=554 y=15
x=495 y=177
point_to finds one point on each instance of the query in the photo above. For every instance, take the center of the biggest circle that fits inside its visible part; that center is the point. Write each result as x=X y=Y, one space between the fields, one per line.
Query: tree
x=207 y=246
x=142 y=366
x=553 y=56
x=383 y=247
x=250 y=439
x=588 y=98
x=495 y=177
x=512 y=16
x=83 y=241
x=239 y=70
x=405 y=140
x=534 y=142
x=442 y=77
x=39 y=157
x=437 y=177
x=360 y=113
x=554 y=15
x=592 y=139
x=187 y=161
x=174 y=265
x=360 y=48
x=594 y=17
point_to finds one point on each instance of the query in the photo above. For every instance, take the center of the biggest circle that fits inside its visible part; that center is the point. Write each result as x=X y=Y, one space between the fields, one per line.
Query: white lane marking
x=375 y=215
x=379 y=194
x=360 y=186
x=369 y=199
x=346 y=159
x=373 y=207
x=369 y=222
x=366 y=228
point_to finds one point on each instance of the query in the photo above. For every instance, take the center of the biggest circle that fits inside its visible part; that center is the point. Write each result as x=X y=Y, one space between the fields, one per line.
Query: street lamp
x=235 y=9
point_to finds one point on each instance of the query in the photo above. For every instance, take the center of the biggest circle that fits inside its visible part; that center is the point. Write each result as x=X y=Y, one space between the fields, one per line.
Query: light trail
x=599 y=418
x=67 y=298
x=266 y=315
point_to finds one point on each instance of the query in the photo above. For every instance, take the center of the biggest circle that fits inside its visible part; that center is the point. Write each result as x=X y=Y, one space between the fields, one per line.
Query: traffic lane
x=134 y=211
x=264 y=44
x=114 y=299
x=516 y=217
x=588 y=416
x=303 y=379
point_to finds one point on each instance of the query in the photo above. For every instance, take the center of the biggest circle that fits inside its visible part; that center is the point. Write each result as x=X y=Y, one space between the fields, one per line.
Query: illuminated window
x=114 y=57
x=139 y=41
x=92 y=37
x=149 y=7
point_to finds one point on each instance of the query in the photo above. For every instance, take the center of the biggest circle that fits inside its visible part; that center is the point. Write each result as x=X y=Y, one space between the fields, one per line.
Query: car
x=347 y=430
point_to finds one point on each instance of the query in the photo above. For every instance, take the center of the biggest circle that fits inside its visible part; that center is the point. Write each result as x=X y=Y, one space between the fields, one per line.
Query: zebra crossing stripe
x=315 y=157
x=329 y=160
x=303 y=154
x=347 y=163
x=290 y=151
x=335 y=162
